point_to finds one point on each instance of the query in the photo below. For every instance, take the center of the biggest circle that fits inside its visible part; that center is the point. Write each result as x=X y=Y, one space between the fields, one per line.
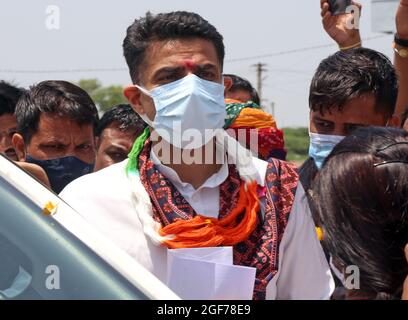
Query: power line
x=64 y=70
x=268 y=55
x=279 y=53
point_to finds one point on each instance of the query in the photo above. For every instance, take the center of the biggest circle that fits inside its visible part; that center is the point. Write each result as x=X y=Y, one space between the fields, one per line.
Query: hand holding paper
x=208 y=274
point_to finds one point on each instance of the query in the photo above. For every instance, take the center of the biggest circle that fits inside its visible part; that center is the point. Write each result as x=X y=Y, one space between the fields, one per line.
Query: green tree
x=104 y=97
x=89 y=85
x=297 y=144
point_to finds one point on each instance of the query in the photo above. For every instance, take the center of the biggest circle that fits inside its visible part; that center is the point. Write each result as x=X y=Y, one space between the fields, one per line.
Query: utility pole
x=260 y=68
x=273 y=109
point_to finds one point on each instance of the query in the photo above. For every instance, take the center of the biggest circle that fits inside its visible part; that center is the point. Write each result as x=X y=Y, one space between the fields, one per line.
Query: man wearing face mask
x=159 y=199
x=55 y=130
x=355 y=87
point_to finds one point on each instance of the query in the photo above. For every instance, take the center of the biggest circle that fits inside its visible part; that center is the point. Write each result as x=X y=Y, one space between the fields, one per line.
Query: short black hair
x=124 y=116
x=349 y=74
x=166 y=26
x=239 y=83
x=57 y=97
x=9 y=95
x=404 y=117
x=362 y=205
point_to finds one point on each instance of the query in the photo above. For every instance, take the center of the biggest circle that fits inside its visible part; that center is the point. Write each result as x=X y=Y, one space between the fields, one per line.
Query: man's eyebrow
x=207 y=66
x=52 y=141
x=114 y=147
x=168 y=70
x=176 y=69
x=83 y=142
x=321 y=119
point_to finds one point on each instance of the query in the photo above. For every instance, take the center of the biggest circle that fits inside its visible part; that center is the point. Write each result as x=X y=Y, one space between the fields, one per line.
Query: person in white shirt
x=187 y=183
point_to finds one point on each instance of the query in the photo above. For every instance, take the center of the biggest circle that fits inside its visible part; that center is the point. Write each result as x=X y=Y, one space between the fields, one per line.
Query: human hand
x=342 y=28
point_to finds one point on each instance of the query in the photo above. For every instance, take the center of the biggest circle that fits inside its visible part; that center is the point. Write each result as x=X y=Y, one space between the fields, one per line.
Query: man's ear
x=227 y=84
x=19 y=146
x=132 y=94
x=394 y=121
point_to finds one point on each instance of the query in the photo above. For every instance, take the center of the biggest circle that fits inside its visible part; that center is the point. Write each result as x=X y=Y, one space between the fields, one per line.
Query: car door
x=40 y=259
x=48 y=251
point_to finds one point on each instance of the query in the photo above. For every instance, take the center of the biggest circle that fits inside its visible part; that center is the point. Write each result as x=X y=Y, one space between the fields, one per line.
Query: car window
x=40 y=259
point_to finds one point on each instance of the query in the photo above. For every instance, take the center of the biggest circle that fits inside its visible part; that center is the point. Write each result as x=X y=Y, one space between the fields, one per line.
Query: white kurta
x=104 y=199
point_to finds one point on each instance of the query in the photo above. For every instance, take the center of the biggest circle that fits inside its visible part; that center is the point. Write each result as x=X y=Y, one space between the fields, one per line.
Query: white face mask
x=188 y=111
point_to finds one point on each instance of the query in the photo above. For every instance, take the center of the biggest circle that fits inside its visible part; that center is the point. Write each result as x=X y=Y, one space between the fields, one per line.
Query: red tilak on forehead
x=190 y=64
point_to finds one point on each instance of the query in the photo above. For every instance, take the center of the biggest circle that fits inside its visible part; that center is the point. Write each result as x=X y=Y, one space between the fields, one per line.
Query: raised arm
x=344 y=28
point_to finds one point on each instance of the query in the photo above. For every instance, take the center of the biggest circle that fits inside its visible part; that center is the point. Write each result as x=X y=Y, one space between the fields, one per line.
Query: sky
x=86 y=42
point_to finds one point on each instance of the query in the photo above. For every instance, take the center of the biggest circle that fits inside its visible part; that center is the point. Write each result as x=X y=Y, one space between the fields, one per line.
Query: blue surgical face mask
x=190 y=106
x=62 y=171
x=321 y=145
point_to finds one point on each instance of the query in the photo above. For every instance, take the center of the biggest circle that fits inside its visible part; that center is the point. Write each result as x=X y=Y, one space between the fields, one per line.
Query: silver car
x=48 y=251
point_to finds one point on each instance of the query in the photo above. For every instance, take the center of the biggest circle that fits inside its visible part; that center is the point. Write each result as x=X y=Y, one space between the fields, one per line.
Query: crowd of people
x=194 y=161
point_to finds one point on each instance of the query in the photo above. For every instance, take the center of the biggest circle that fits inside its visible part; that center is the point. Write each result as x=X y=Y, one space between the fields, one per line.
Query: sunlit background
x=286 y=36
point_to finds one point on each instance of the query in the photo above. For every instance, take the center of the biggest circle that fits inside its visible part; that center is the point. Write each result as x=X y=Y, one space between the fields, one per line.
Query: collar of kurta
x=212 y=182
x=237 y=218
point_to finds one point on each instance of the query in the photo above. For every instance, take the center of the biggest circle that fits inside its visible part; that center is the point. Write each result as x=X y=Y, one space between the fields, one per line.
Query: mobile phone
x=338 y=7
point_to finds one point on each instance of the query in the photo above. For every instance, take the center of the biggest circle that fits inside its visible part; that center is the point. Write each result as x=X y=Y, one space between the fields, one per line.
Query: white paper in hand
x=208 y=274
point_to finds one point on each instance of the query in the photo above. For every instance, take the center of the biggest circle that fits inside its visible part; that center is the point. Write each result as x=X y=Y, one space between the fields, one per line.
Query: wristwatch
x=400 y=42
x=402 y=52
